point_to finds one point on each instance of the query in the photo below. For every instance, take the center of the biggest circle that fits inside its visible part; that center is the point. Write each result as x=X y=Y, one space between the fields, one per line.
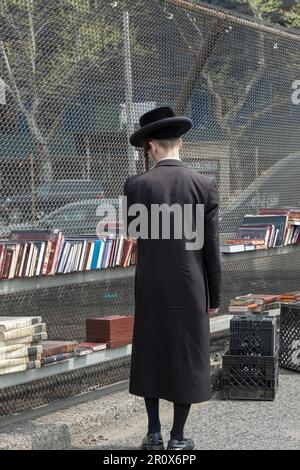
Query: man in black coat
x=177 y=283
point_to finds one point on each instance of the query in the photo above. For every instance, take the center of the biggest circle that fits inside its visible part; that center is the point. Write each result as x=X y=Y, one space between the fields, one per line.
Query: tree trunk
x=236 y=167
x=46 y=164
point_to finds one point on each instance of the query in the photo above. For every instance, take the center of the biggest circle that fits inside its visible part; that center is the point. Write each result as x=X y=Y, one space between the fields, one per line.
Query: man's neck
x=174 y=157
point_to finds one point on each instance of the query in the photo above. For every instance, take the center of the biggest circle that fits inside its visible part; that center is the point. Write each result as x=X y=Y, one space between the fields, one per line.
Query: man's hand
x=213 y=311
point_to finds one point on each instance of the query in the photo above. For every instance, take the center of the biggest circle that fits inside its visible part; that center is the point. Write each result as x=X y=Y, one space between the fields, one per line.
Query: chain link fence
x=75 y=76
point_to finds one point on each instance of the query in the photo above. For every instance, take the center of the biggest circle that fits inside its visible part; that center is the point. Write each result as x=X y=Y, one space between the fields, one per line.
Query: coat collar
x=170 y=162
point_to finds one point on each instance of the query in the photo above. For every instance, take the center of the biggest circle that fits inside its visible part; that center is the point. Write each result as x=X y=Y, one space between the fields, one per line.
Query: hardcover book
x=31 y=340
x=110 y=328
x=13 y=323
x=89 y=347
x=5 y=353
x=53 y=348
x=20 y=368
x=46 y=361
x=21 y=332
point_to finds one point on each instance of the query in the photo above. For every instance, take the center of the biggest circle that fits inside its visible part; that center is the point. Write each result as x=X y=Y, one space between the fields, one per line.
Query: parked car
x=279 y=186
x=82 y=217
x=48 y=197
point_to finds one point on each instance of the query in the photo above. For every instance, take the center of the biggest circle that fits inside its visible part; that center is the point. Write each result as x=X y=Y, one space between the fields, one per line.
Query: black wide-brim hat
x=160 y=123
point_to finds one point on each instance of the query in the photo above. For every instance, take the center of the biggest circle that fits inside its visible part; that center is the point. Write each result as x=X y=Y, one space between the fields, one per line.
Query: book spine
x=2 y=259
x=59 y=245
x=46 y=257
x=57 y=358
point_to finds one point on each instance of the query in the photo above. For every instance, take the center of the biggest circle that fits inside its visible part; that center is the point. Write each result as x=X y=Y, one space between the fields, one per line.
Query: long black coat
x=173 y=289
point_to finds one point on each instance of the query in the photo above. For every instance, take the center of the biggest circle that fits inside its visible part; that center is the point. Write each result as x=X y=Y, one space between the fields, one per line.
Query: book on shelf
x=17 y=351
x=20 y=368
x=13 y=323
x=279 y=221
x=290 y=296
x=53 y=348
x=261 y=298
x=89 y=347
x=16 y=361
x=242 y=308
x=231 y=248
x=22 y=332
x=29 y=340
x=109 y=328
x=257 y=232
x=266 y=307
x=46 y=361
x=29 y=253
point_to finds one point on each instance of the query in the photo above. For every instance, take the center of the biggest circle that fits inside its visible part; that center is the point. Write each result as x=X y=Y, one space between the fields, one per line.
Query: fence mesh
x=75 y=76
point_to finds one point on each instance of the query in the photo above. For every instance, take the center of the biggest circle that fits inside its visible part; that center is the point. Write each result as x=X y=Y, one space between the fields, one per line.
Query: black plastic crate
x=249 y=377
x=289 y=352
x=253 y=335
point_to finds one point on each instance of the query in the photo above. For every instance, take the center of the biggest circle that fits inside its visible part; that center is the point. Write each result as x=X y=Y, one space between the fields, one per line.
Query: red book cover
x=7 y=263
x=47 y=256
x=2 y=259
x=126 y=252
x=112 y=252
x=54 y=254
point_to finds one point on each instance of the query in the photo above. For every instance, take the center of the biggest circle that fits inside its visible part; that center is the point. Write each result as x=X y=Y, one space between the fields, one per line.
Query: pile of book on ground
x=267 y=304
x=21 y=343
x=269 y=228
x=250 y=366
x=28 y=253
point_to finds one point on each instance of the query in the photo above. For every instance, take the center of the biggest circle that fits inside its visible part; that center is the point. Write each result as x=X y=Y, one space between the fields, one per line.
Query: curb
x=60 y=429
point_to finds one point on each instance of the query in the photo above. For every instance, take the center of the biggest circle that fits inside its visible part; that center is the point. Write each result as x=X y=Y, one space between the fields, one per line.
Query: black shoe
x=185 y=444
x=153 y=441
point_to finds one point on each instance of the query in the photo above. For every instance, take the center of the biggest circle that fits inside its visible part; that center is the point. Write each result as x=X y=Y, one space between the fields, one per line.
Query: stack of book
x=291 y=222
x=21 y=343
x=114 y=330
x=58 y=351
x=267 y=304
x=290 y=296
x=30 y=253
x=269 y=228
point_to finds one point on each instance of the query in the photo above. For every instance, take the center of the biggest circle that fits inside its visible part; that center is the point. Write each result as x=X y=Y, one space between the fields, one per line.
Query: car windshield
x=85 y=211
x=279 y=167
x=66 y=186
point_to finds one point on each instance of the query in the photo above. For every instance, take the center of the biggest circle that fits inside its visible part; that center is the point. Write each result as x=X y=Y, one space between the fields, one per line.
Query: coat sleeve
x=211 y=249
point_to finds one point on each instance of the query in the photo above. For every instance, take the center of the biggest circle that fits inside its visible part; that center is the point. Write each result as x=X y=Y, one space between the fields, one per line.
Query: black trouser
x=181 y=412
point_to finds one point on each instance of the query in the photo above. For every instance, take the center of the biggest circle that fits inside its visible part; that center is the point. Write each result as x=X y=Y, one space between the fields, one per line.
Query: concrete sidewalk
x=118 y=421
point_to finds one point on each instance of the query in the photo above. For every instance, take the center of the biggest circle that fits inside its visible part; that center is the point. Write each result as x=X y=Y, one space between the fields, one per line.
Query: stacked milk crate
x=250 y=367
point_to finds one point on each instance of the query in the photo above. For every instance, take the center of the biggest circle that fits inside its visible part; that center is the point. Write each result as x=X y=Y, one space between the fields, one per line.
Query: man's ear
x=152 y=147
x=180 y=142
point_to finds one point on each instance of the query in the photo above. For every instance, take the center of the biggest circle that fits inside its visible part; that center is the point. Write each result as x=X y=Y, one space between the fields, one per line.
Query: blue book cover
x=106 y=250
x=96 y=254
x=101 y=253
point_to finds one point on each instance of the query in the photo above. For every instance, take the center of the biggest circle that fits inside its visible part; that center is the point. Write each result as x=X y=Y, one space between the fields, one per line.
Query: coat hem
x=162 y=396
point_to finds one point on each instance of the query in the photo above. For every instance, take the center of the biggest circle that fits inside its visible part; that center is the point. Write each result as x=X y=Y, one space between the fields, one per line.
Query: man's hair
x=167 y=144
